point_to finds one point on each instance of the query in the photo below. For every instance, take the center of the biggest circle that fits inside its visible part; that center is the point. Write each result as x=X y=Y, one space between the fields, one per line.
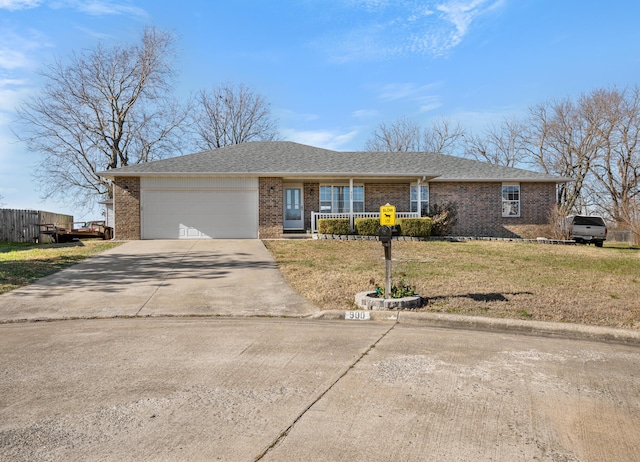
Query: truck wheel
x=599 y=243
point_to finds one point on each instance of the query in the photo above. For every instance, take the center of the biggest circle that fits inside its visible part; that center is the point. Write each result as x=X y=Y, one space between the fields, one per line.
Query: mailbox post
x=385 y=233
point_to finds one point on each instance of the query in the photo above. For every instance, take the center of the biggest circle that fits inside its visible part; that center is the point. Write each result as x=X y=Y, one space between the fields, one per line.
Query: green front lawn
x=21 y=264
x=580 y=283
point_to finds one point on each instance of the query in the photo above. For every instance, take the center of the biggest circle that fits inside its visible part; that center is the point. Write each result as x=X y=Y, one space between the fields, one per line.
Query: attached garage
x=199 y=207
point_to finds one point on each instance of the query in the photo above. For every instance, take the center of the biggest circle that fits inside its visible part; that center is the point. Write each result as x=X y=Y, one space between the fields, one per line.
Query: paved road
x=247 y=389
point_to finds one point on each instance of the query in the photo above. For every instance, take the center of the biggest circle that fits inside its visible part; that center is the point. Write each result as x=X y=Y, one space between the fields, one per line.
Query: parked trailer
x=66 y=232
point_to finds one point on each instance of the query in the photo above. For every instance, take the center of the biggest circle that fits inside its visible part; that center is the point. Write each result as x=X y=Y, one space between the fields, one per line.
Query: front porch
x=315 y=216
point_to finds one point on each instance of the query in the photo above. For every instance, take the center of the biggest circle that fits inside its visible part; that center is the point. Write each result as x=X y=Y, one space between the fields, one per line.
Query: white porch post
x=351 y=220
x=419 y=207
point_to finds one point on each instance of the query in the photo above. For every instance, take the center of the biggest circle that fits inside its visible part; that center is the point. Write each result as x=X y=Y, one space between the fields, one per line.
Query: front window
x=336 y=199
x=511 y=200
x=420 y=203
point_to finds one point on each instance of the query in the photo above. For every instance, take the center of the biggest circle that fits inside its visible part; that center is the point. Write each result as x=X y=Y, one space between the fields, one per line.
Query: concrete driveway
x=167 y=277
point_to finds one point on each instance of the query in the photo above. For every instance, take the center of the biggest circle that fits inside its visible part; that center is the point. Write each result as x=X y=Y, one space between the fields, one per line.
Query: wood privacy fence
x=24 y=225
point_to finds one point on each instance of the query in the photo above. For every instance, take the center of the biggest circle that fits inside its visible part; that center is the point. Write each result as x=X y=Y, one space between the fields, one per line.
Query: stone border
x=369 y=301
x=358 y=237
x=539 y=240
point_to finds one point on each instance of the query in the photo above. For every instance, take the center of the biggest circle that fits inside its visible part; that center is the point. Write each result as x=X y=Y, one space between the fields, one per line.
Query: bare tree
x=617 y=168
x=562 y=140
x=105 y=108
x=233 y=114
x=443 y=136
x=502 y=144
x=402 y=135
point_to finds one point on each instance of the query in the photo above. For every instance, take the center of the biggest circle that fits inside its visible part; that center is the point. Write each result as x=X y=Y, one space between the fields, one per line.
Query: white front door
x=293 y=208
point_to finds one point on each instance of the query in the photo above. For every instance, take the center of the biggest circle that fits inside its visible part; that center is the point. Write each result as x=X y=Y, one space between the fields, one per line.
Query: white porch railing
x=315 y=216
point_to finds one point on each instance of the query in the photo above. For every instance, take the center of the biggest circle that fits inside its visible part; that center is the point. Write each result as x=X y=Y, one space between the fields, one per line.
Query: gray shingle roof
x=286 y=158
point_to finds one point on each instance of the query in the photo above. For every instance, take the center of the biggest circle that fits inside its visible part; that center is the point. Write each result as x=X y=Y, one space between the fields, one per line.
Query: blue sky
x=333 y=70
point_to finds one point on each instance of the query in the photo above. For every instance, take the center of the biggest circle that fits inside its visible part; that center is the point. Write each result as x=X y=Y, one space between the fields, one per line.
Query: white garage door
x=199 y=208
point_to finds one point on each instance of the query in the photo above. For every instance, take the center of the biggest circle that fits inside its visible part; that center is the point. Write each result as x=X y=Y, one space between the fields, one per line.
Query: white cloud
x=406 y=91
x=326 y=139
x=424 y=96
x=431 y=106
x=14 y=5
x=10 y=97
x=16 y=49
x=365 y=113
x=13 y=59
x=381 y=29
x=101 y=7
x=462 y=13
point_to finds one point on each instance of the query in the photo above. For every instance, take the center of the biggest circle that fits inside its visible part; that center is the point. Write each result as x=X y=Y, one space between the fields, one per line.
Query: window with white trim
x=421 y=204
x=510 y=199
x=336 y=198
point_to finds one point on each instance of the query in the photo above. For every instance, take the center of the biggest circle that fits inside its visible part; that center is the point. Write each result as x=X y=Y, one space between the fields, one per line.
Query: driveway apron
x=163 y=277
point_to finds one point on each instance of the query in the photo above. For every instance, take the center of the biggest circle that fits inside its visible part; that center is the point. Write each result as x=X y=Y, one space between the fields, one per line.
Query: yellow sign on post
x=388 y=215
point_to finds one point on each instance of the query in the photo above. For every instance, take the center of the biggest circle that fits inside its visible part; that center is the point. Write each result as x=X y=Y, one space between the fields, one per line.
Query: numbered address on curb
x=357 y=315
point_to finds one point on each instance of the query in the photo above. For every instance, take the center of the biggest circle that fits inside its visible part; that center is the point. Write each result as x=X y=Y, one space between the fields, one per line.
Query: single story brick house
x=264 y=189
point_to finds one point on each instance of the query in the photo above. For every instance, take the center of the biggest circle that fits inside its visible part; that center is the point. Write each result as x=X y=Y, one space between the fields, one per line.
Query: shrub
x=367 y=226
x=334 y=226
x=414 y=227
x=399 y=289
x=444 y=217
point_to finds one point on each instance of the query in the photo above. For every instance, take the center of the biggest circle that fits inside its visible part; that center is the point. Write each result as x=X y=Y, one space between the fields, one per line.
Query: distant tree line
x=593 y=140
x=109 y=107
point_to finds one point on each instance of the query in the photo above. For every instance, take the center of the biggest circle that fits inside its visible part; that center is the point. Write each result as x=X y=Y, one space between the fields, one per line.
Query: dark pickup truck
x=586 y=229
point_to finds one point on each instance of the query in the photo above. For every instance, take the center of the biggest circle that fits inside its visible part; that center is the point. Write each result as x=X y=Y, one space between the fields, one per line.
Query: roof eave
x=426 y=176
x=557 y=180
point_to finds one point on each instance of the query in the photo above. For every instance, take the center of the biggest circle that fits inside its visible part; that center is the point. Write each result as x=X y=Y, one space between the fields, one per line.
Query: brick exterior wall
x=126 y=194
x=270 y=207
x=311 y=202
x=480 y=208
x=379 y=194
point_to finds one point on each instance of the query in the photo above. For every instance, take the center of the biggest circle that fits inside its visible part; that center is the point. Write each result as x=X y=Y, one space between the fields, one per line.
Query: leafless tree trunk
x=562 y=141
x=402 y=135
x=617 y=169
x=106 y=108
x=499 y=145
x=443 y=136
x=231 y=114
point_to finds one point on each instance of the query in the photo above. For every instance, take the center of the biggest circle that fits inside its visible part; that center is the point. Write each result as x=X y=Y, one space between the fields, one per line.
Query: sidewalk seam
x=286 y=432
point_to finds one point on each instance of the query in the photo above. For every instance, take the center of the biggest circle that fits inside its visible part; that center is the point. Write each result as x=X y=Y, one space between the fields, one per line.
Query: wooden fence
x=24 y=225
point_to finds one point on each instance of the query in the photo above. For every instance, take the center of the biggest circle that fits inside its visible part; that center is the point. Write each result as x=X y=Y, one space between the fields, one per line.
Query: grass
x=21 y=264
x=578 y=284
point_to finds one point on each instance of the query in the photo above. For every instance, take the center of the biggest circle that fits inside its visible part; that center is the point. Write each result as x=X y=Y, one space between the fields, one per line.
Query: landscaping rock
x=370 y=301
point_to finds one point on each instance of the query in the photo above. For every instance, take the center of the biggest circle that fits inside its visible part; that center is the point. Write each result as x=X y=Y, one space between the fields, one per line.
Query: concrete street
x=296 y=390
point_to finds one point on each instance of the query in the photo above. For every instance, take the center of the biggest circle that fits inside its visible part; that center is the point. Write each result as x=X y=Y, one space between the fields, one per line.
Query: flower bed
x=372 y=301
